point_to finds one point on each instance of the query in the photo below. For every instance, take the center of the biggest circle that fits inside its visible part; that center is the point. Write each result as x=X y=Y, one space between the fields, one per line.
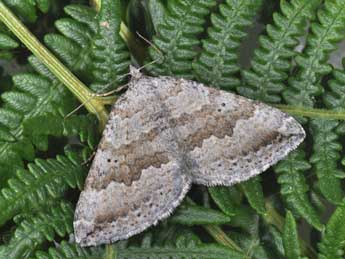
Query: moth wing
x=136 y=177
x=119 y=211
x=248 y=137
x=226 y=138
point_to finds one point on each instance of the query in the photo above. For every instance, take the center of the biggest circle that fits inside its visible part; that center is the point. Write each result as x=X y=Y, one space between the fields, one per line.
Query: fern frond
x=40 y=127
x=45 y=180
x=176 y=37
x=42 y=95
x=327 y=148
x=334 y=98
x=83 y=14
x=157 y=12
x=67 y=250
x=273 y=240
x=186 y=246
x=196 y=215
x=312 y=63
x=306 y=85
x=34 y=96
x=332 y=245
x=217 y=63
x=6 y=44
x=226 y=198
x=111 y=57
x=253 y=191
x=28 y=9
x=272 y=60
x=294 y=187
x=325 y=157
x=32 y=232
x=74 y=45
x=290 y=238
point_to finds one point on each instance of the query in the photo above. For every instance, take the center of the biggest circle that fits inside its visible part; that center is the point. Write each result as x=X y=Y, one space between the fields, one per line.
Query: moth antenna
x=120 y=77
x=96 y=95
x=154 y=47
x=74 y=110
x=89 y=158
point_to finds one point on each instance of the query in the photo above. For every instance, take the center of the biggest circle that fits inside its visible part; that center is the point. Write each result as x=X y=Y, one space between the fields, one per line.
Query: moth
x=165 y=134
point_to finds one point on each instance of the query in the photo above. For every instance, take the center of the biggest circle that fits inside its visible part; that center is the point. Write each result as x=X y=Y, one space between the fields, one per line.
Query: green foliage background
x=294 y=210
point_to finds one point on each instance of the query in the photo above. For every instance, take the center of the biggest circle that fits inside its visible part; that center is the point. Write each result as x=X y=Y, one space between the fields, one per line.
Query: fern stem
x=312 y=113
x=217 y=233
x=84 y=95
x=110 y=252
x=96 y=4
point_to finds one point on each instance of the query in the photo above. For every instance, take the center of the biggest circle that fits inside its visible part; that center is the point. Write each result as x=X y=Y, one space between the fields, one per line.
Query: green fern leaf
x=325 y=156
x=290 y=238
x=217 y=63
x=157 y=12
x=273 y=239
x=327 y=146
x=43 y=5
x=294 y=187
x=246 y=219
x=42 y=95
x=187 y=247
x=67 y=250
x=111 y=55
x=312 y=63
x=196 y=215
x=306 y=85
x=6 y=42
x=227 y=198
x=253 y=191
x=84 y=126
x=35 y=95
x=177 y=35
x=45 y=180
x=272 y=60
x=334 y=98
x=251 y=245
x=32 y=232
x=27 y=9
x=75 y=56
x=333 y=240
x=83 y=14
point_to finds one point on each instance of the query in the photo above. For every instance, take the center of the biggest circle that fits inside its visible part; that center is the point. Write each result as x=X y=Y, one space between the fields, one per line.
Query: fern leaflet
x=271 y=63
x=32 y=232
x=312 y=62
x=217 y=62
x=197 y=215
x=290 y=238
x=27 y=9
x=45 y=180
x=176 y=37
x=294 y=187
x=325 y=156
x=333 y=240
x=111 y=57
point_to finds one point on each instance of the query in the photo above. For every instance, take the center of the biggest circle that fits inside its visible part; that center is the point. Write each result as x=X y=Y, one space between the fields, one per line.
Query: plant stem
x=312 y=113
x=84 y=95
x=217 y=233
x=110 y=252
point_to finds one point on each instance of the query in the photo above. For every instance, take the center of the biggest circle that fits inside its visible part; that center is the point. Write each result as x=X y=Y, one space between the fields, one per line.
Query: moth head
x=135 y=72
